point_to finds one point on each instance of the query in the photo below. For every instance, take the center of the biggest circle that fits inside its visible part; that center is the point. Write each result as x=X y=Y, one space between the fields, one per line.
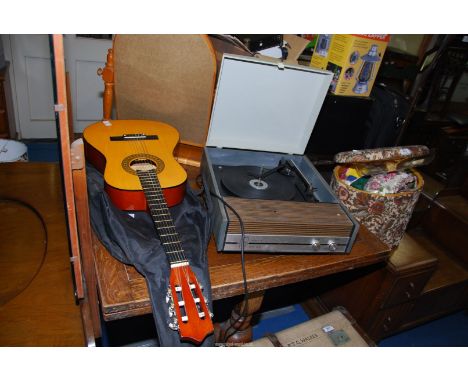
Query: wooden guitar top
x=123 y=143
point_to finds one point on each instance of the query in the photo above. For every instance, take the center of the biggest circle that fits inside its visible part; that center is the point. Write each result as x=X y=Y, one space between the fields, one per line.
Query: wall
x=2 y=55
x=408 y=43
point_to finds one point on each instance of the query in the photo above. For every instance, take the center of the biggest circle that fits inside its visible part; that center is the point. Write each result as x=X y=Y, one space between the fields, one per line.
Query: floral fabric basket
x=384 y=214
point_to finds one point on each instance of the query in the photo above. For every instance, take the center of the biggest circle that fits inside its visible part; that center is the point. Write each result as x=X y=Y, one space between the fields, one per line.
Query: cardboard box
x=353 y=59
x=223 y=44
x=336 y=328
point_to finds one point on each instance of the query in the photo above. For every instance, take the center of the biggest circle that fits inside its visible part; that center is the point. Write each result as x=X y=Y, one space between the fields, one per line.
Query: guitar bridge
x=134 y=137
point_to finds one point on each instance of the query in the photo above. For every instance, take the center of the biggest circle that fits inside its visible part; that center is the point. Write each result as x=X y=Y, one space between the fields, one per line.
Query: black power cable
x=245 y=301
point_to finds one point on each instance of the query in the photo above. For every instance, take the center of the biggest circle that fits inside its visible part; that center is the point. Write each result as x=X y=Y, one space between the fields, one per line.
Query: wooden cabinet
x=405 y=288
x=4 y=128
x=388 y=320
x=421 y=281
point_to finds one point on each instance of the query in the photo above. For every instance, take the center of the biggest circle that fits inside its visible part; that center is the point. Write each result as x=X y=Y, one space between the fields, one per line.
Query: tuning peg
x=173 y=326
x=169 y=296
x=173 y=323
x=171 y=311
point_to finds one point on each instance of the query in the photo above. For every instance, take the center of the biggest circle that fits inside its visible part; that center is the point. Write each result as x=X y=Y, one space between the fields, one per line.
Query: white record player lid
x=266 y=106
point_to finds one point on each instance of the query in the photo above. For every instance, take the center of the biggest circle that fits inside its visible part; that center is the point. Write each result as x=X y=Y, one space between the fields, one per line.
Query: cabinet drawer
x=406 y=288
x=388 y=321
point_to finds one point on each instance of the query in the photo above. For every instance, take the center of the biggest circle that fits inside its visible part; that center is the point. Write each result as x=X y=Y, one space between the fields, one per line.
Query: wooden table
x=123 y=291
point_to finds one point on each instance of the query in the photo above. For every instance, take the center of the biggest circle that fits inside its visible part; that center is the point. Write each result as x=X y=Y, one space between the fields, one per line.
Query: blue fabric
x=272 y=323
x=451 y=330
x=43 y=152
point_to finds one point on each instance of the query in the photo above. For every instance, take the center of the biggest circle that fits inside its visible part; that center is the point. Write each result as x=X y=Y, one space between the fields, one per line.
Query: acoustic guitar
x=141 y=173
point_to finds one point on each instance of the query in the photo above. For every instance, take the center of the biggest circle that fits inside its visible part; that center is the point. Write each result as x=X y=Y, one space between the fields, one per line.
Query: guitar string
x=135 y=149
x=152 y=196
x=154 y=201
x=175 y=245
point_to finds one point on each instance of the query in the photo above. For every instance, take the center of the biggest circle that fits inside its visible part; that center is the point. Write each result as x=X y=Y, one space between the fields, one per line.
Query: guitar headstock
x=187 y=306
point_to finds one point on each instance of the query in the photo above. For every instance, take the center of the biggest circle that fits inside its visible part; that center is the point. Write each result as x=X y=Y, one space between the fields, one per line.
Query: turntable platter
x=246 y=182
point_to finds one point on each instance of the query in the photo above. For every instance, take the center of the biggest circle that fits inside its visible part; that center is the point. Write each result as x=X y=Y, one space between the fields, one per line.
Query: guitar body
x=109 y=149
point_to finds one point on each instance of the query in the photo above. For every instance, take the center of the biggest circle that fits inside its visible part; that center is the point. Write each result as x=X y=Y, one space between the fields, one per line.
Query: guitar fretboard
x=161 y=216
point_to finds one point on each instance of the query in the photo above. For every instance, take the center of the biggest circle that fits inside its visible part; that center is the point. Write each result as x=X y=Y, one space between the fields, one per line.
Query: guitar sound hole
x=143 y=164
x=142 y=161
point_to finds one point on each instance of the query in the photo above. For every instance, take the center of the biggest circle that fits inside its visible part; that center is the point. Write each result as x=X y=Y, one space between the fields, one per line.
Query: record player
x=263 y=115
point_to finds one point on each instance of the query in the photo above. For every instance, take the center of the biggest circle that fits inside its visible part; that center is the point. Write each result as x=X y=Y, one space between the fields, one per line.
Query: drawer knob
x=411 y=285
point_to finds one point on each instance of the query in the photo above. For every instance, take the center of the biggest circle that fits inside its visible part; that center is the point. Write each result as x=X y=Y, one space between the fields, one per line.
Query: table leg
x=237 y=329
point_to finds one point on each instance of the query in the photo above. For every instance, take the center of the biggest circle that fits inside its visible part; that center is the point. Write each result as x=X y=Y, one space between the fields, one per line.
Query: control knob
x=332 y=245
x=315 y=245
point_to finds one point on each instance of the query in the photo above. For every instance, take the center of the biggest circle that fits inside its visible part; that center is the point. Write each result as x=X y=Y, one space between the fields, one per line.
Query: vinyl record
x=245 y=182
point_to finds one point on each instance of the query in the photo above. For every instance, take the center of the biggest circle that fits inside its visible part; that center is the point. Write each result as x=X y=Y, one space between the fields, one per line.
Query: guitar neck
x=162 y=217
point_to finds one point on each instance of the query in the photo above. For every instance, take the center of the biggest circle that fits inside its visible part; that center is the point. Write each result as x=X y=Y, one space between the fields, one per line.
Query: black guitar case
x=134 y=241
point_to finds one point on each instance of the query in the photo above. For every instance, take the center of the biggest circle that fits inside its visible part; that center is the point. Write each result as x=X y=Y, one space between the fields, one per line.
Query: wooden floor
x=37 y=306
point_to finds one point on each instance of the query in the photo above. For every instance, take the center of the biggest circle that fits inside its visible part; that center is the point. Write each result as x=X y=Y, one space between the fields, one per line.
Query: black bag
x=134 y=240
x=386 y=117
